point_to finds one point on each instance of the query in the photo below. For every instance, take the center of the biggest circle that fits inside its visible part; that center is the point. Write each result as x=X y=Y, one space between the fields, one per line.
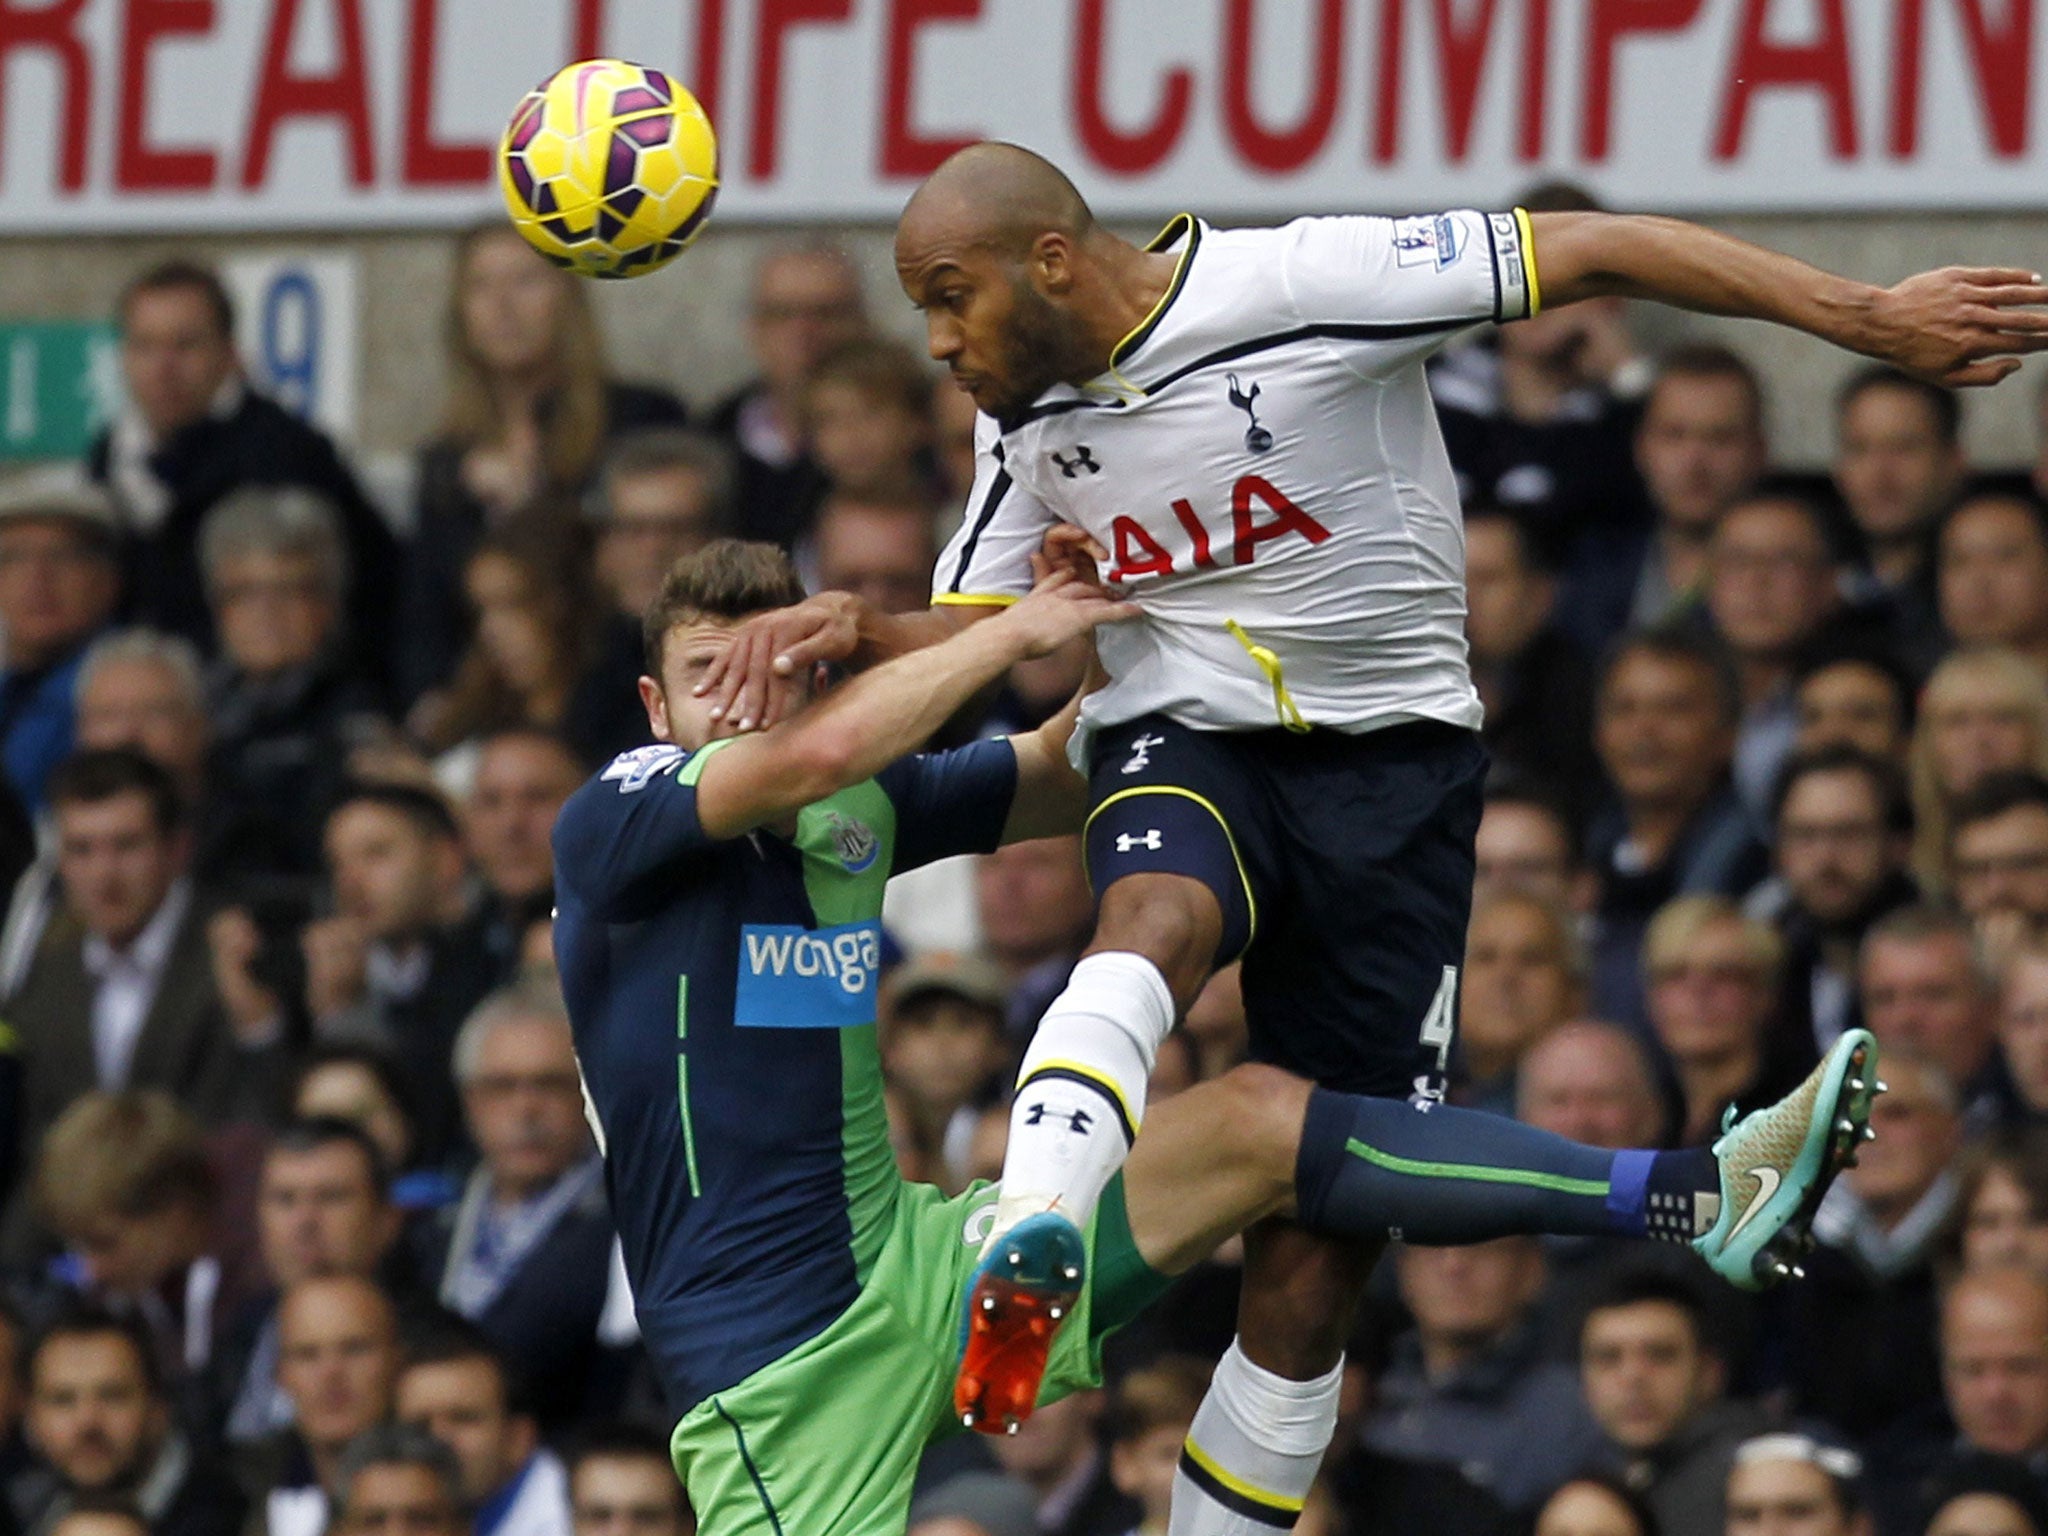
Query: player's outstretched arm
x=1954 y=326
x=877 y=717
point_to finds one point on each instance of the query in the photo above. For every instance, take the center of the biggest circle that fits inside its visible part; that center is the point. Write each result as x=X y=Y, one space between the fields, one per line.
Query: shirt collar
x=151 y=947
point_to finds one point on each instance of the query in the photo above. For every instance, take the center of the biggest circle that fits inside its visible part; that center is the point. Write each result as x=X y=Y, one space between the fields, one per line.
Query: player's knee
x=1261 y=1110
x=1172 y=921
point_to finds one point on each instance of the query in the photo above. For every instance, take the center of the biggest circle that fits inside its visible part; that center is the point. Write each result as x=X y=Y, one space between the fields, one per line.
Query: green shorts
x=826 y=1440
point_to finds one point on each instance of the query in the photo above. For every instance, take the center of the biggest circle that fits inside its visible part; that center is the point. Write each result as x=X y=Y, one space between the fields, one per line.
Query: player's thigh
x=1353 y=983
x=1169 y=801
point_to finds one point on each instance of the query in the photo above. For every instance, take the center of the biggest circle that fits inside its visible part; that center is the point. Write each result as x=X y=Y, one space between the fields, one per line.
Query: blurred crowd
x=302 y=1229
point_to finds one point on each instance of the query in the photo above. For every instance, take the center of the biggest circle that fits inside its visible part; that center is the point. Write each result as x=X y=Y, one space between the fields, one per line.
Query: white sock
x=1081 y=1090
x=1253 y=1451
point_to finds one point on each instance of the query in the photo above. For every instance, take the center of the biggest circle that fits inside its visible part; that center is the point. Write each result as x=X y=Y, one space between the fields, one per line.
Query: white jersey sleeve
x=1400 y=287
x=989 y=559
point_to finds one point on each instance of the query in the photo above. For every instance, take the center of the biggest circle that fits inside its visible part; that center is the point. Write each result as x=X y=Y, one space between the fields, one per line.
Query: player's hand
x=758 y=680
x=1068 y=548
x=1060 y=608
x=1960 y=325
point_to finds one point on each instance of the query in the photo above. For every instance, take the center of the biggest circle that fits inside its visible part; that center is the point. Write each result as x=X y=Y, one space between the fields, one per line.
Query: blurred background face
x=318 y=1212
x=1471 y=1295
x=1034 y=900
x=2001 y=1226
x=2023 y=1027
x=881 y=554
x=90 y=1412
x=1784 y=1498
x=1981 y=1514
x=626 y=1496
x=461 y=1403
x=399 y=1499
x=273 y=611
x=521 y=782
x=1892 y=467
x=2001 y=865
x=1586 y=1509
x=1851 y=704
x=1994 y=1349
x=863 y=441
x=511 y=622
x=510 y=302
x=174 y=357
x=1919 y=1133
x=1516 y=982
x=337 y=1355
x=656 y=517
x=953 y=417
x=525 y=1103
x=117 y=865
x=1994 y=573
x=1699 y=447
x=1644 y=1373
x=1974 y=728
x=1507 y=600
x=1526 y=848
x=57 y=585
x=1770 y=581
x=139 y=703
x=941 y=1048
x=348 y=1090
x=805 y=304
x=1711 y=999
x=1053 y=1440
x=388 y=873
x=1834 y=850
x=1660 y=730
x=1924 y=996
x=1589 y=1083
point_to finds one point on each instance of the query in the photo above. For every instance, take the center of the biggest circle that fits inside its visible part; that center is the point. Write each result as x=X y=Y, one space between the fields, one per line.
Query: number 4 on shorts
x=1438 y=1026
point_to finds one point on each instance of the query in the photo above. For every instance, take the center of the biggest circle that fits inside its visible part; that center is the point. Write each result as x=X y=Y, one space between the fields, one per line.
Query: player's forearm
x=1587 y=255
x=886 y=636
x=1051 y=798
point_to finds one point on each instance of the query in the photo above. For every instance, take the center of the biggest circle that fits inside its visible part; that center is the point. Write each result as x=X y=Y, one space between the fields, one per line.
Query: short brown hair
x=1162 y=1395
x=133 y=1153
x=167 y=276
x=725 y=580
x=885 y=371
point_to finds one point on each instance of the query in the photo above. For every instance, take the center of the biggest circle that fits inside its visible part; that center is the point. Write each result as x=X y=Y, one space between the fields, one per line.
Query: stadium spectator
x=125 y=1182
x=880 y=549
x=1859 y=1331
x=394 y=965
x=1994 y=1363
x=192 y=433
x=662 y=494
x=1986 y=1496
x=101 y=1424
x=2023 y=1033
x=975 y=1504
x=322 y=1208
x=1771 y=587
x=1535 y=681
x=1524 y=974
x=1998 y=862
x=2002 y=1203
x=1150 y=1413
x=1699 y=445
x=124 y=997
x=286 y=698
x=1983 y=711
x=1526 y=843
x=1713 y=979
x=458 y=1388
x=1595 y=1506
x=522 y=777
x=396 y=1480
x=526 y=1254
x=622 y=1483
x=337 y=1360
x=1591 y=1082
x=1654 y=1382
x=944 y=1050
x=143 y=689
x=953 y=418
x=1035 y=911
x=368 y=1089
x=60 y=580
x=1992 y=573
x=1664 y=723
x=1470 y=1385
x=1898 y=464
x=1057 y=1454
x=1924 y=992
x=806 y=301
x=1843 y=832
x=867 y=415
x=1854 y=696
x=99 y=1515
x=529 y=410
x=1785 y=1483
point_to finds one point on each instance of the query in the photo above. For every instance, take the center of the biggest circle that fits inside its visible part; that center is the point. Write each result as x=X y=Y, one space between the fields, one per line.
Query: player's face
x=1004 y=342
x=675 y=713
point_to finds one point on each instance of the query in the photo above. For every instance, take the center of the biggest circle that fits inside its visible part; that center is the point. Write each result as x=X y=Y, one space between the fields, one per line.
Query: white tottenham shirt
x=1264 y=465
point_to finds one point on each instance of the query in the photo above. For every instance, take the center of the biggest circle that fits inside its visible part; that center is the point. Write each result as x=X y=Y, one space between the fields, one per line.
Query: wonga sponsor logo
x=807 y=978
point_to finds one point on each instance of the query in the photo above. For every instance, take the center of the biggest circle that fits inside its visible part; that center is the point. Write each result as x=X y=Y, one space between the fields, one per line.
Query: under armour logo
x=1078 y=1120
x=1141 y=752
x=1126 y=841
x=1081 y=460
x=1256 y=437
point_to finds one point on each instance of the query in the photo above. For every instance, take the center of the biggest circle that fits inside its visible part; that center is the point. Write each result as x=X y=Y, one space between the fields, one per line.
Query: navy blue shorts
x=1343 y=865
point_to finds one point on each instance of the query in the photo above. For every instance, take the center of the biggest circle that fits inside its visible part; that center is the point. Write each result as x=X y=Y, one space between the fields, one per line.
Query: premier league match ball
x=609 y=168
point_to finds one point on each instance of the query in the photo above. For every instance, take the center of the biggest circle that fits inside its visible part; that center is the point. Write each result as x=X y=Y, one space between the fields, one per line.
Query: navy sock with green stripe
x=1434 y=1174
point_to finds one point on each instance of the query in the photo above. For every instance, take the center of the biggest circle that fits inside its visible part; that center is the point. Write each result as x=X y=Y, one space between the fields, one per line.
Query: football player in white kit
x=1285 y=764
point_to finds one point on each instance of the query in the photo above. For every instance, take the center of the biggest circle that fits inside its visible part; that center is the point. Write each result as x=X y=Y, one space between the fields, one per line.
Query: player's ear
x=655 y=702
x=1052 y=262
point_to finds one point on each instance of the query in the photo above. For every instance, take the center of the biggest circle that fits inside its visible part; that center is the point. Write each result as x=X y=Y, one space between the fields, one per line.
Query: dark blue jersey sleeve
x=949 y=803
x=622 y=838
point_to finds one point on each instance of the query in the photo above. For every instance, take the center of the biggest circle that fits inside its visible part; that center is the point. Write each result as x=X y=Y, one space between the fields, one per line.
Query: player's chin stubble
x=1037 y=350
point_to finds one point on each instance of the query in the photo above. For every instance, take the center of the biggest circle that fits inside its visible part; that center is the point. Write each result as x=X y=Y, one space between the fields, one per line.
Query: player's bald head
x=992 y=196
